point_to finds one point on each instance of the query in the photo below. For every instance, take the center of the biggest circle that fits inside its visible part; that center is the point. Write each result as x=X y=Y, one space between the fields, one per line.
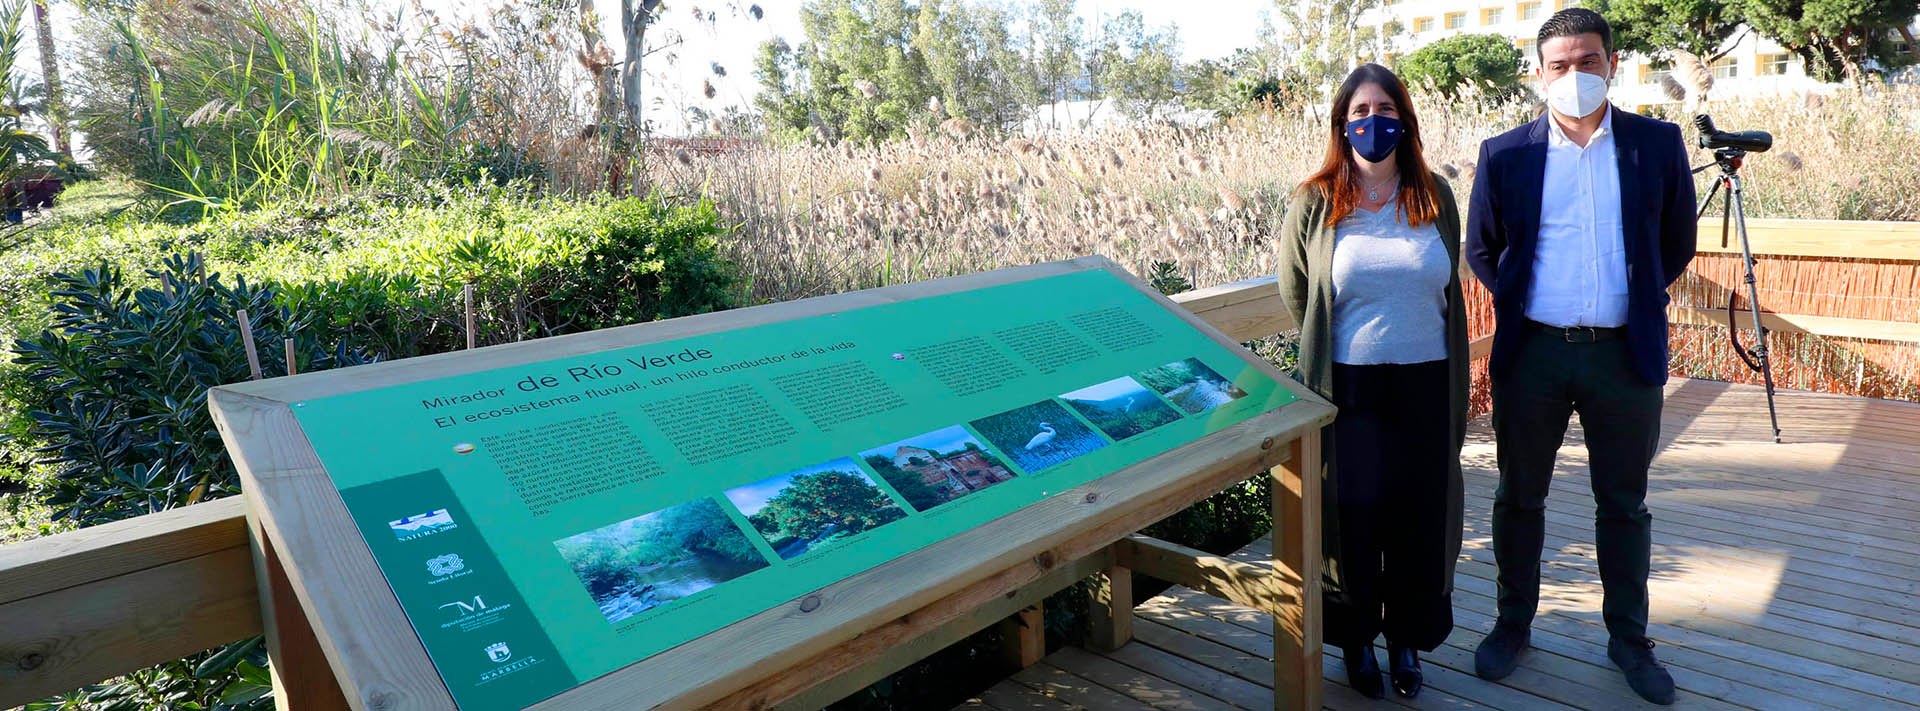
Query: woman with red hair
x=1369 y=268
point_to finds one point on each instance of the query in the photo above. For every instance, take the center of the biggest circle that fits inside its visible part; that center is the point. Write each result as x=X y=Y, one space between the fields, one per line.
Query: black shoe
x=1499 y=653
x=1363 y=671
x=1647 y=676
x=1407 y=678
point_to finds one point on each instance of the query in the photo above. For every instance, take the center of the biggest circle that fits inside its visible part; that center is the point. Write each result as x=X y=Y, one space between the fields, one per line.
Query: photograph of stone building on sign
x=937 y=467
x=960 y=472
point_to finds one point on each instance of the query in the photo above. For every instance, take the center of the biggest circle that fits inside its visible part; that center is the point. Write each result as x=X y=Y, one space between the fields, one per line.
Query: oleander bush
x=120 y=325
x=386 y=271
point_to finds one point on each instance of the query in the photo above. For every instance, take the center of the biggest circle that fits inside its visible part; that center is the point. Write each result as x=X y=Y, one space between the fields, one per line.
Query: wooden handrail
x=79 y=607
x=1834 y=239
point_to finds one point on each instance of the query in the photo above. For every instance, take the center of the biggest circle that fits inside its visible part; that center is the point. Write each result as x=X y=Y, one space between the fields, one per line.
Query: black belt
x=1580 y=334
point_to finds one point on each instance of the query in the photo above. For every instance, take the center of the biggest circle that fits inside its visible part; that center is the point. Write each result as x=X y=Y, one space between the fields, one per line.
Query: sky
x=753 y=497
x=732 y=39
x=947 y=439
x=1106 y=391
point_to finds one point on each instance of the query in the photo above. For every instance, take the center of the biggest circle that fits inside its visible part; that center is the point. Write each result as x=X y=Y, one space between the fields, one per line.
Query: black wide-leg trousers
x=1390 y=469
x=1620 y=415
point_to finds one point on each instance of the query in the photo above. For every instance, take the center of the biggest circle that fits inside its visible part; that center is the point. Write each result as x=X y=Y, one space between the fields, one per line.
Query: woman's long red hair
x=1339 y=179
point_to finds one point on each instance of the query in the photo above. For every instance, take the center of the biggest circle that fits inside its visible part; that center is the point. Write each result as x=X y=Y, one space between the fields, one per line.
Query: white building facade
x=1755 y=67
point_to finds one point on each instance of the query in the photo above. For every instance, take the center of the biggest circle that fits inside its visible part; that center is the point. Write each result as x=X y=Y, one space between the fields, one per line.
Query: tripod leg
x=1708 y=202
x=1726 y=217
x=1735 y=199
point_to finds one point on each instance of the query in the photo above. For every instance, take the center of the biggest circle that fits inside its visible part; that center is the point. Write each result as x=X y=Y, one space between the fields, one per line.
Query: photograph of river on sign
x=1121 y=407
x=810 y=509
x=937 y=467
x=1039 y=435
x=648 y=561
x=1191 y=385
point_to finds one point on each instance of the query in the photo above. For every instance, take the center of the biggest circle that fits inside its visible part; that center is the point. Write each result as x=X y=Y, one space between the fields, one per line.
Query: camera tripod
x=1733 y=213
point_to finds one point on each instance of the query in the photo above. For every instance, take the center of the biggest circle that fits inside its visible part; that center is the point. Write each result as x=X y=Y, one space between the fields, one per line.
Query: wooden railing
x=79 y=607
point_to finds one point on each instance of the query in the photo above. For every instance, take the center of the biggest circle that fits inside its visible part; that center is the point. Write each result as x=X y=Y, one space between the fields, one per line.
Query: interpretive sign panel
x=550 y=522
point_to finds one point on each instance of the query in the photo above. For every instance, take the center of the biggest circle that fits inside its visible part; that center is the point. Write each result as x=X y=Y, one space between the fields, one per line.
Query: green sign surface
x=546 y=524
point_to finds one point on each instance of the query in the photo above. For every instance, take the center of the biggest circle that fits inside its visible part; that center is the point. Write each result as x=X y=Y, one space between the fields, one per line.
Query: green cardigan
x=1306 y=285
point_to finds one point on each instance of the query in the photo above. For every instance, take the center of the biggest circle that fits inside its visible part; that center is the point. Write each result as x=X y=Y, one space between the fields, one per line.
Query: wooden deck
x=1784 y=577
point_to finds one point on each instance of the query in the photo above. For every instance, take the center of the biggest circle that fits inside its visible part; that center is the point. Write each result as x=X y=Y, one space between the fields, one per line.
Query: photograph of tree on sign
x=648 y=561
x=809 y=509
x=1039 y=435
x=1191 y=385
x=937 y=467
x=1121 y=407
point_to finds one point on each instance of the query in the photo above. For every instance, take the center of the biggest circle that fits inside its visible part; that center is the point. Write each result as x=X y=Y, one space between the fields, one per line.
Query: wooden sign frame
x=304 y=528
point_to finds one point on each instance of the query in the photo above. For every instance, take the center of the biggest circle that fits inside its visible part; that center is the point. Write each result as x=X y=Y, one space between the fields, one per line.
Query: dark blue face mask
x=1375 y=137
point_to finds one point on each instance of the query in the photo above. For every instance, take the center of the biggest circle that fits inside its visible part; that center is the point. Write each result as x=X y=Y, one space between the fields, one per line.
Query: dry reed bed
x=813 y=220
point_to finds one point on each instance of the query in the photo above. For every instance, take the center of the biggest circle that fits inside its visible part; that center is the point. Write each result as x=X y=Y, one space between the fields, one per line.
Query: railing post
x=1296 y=547
x=1023 y=637
x=1112 y=609
x=302 y=678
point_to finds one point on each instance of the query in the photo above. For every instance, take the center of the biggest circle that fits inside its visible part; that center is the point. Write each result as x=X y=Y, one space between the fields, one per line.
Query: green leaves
x=1835 y=38
x=1654 y=28
x=1481 y=67
x=118 y=384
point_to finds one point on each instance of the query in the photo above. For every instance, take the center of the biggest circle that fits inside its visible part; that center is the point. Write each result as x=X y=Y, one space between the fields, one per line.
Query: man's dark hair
x=1571 y=22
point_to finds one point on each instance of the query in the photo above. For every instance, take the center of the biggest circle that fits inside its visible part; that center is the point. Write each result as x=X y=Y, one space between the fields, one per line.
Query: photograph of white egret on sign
x=1038 y=436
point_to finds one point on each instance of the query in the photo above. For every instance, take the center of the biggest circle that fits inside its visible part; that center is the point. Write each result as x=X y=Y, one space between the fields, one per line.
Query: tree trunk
x=633 y=23
x=50 y=73
x=608 y=115
x=1912 y=46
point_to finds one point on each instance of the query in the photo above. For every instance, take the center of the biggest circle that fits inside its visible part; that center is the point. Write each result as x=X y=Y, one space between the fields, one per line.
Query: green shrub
x=117 y=397
x=385 y=271
x=119 y=338
x=119 y=385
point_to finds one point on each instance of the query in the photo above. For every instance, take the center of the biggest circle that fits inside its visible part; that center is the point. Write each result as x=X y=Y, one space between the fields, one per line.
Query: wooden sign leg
x=1112 y=609
x=302 y=679
x=1023 y=637
x=1296 y=547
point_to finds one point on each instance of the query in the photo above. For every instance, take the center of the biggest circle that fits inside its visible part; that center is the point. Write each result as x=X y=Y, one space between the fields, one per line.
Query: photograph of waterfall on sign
x=1191 y=385
x=1039 y=435
x=808 y=509
x=648 y=561
x=1121 y=407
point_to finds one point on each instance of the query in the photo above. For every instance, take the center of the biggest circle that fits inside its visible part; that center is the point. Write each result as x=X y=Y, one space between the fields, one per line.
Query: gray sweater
x=1305 y=244
x=1389 y=290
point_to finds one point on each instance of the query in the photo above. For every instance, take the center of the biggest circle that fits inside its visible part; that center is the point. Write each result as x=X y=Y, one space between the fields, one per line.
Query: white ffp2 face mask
x=1577 y=94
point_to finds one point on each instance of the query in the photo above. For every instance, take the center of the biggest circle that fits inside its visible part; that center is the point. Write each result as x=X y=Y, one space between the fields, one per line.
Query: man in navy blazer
x=1578 y=223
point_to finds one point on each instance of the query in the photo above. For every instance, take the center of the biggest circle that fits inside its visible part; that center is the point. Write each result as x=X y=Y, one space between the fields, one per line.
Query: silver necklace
x=1373 y=193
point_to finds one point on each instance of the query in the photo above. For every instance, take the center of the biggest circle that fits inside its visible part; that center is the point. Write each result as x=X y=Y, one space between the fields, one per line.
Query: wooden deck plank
x=1010 y=695
x=1675 y=542
x=1256 y=667
x=1821 y=570
x=1785 y=576
x=1151 y=689
x=1710 y=675
x=1562 y=656
x=1728 y=640
x=1194 y=675
x=1056 y=683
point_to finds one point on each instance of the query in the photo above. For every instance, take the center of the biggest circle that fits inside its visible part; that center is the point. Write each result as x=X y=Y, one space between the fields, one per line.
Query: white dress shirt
x=1580 y=263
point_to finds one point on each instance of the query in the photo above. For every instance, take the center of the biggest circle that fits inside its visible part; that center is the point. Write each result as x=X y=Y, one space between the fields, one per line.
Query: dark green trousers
x=1620 y=414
